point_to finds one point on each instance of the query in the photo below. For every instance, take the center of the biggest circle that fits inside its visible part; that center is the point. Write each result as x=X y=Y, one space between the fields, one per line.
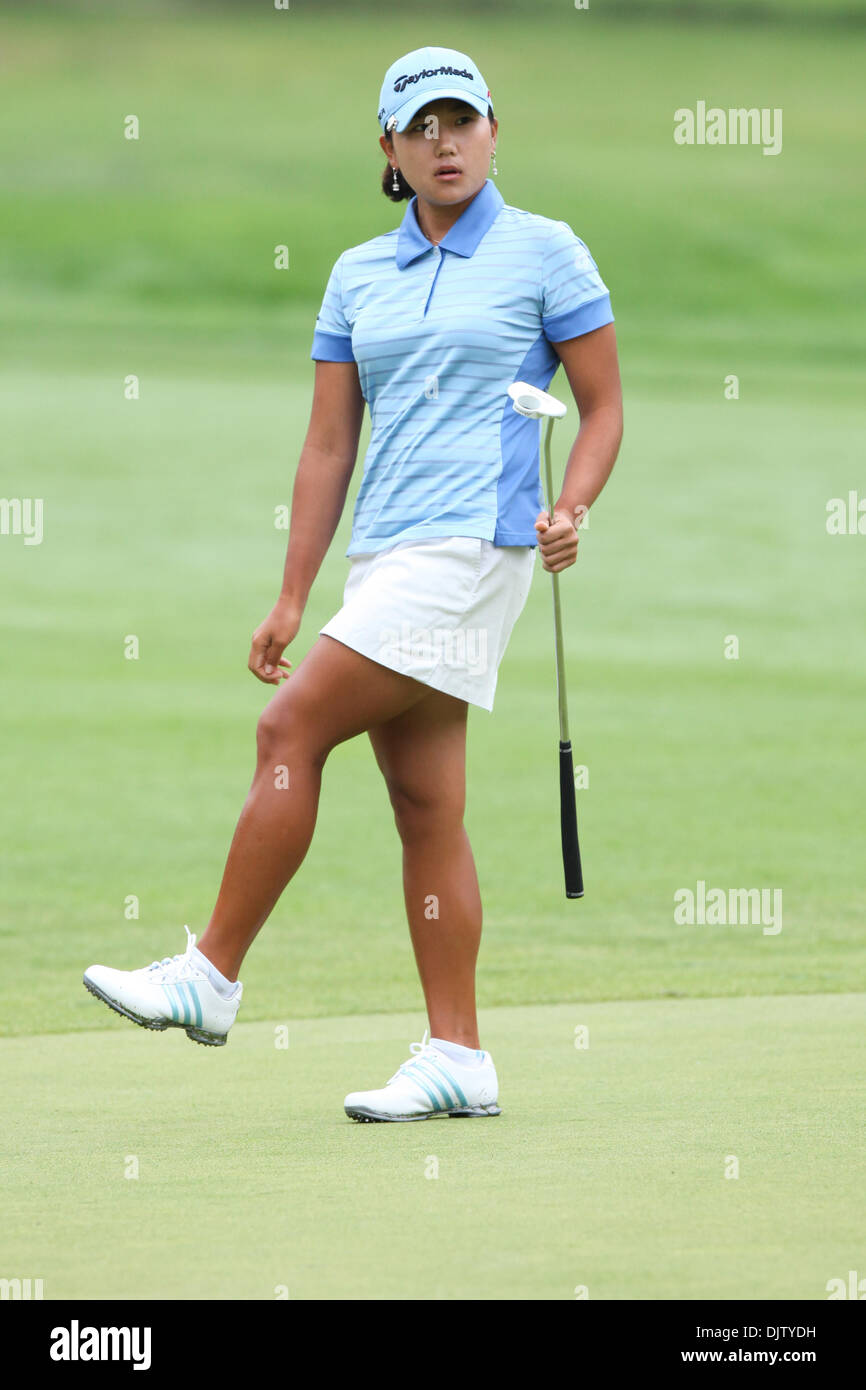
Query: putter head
x=534 y=403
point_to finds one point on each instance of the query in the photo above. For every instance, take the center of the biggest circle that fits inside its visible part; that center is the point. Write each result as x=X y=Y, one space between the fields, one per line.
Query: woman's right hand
x=270 y=640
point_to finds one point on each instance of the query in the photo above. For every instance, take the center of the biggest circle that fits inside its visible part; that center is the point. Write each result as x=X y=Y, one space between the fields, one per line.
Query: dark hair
x=405 y=190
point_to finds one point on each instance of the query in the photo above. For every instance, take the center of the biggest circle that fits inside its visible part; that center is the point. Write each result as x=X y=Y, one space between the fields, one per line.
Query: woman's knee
x=427 y=814
x=287 y=730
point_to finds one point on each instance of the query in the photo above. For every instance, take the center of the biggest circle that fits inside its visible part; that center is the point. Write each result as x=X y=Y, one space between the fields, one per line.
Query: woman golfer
x=428 y=324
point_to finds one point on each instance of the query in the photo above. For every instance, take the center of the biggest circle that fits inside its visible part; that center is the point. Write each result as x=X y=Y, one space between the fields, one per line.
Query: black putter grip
x=568 y=812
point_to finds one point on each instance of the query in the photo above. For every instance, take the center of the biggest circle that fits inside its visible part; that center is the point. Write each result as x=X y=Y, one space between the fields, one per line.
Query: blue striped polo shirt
x=438 y=334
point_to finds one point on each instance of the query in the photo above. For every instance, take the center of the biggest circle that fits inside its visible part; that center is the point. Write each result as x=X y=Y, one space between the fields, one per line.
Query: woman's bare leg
x=334 y=694
x=422 y=754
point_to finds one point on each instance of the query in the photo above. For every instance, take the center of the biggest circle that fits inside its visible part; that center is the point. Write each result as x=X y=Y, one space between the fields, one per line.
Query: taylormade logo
x=736 y=907
x=75 y=1343
x=401 y=83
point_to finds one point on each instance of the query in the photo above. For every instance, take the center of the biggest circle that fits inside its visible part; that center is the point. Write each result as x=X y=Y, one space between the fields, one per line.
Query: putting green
x=606 y=1168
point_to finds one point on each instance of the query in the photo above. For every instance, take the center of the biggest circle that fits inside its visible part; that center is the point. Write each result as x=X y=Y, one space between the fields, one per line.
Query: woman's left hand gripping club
x=557 y=541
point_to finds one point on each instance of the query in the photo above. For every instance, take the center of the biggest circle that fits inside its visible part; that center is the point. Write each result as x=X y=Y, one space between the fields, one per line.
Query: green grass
x=126 y=778
x=716 y=260
x=132 y=773
x=606 y=1168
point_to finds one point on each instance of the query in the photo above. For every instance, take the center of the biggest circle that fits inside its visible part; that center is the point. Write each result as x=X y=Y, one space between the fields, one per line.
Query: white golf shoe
x=428 y=1086
x=171 y=993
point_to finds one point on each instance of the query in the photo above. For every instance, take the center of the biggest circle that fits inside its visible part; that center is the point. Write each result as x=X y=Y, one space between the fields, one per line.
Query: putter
x=536 y=404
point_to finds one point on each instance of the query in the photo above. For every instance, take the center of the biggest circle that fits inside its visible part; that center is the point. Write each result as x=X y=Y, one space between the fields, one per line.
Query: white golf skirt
x=439 y=610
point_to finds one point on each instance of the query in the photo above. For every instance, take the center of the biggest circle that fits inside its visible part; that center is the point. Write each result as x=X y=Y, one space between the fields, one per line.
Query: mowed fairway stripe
x=606 y=1168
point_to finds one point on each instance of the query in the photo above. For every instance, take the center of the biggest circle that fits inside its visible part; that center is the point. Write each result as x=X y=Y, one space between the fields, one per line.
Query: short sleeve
x=332 y=337
x=574 y=298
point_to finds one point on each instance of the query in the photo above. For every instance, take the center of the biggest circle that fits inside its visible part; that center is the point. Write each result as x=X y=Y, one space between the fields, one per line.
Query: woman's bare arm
x=324 y=472
x=592 y=368
x=318 y=497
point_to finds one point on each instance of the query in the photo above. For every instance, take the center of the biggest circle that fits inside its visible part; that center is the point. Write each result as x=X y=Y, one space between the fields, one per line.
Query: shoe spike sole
x=363 y=1117
x=158 y=1025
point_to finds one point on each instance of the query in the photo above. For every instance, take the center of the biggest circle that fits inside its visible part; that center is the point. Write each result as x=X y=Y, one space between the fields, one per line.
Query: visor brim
x=409 y=108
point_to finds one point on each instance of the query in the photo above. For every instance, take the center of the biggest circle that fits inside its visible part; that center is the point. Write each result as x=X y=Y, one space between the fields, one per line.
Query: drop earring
x=493 y=157
x=395 y=186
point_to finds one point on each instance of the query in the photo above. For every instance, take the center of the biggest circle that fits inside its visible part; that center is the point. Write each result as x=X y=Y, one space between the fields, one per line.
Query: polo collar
x=462 y=238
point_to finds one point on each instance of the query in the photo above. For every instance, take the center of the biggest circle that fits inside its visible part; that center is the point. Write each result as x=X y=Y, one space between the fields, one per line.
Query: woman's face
x=457 y=137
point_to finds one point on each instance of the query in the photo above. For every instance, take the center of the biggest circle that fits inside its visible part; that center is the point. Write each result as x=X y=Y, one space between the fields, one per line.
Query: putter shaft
x=557 y=615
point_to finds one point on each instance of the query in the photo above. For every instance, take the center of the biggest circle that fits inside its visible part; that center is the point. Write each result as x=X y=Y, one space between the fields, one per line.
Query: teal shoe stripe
x=189 y=993
x=434 y=1081
x=185 y=996
x=170 y=998
x=433 y=1101
x=184 y=1003
x=196 y=1002
x=434 y=1062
